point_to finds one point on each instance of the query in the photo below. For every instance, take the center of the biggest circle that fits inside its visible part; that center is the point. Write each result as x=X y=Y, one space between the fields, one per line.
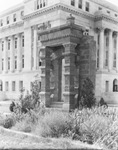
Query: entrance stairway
x=56 y=105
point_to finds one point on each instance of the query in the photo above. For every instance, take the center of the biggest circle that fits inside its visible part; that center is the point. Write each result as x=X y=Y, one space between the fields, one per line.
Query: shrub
x=102 y=102
x=28 y=101
x=9 y=121
x=87 y=98
x=54 y=124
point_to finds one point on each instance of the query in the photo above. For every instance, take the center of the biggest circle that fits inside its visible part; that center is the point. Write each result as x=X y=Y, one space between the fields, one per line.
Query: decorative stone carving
x=44 y=26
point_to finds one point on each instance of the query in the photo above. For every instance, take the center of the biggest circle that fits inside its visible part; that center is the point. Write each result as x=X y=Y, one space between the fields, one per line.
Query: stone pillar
x=45 y=76
x=12 y=54
x=19 y=54
x=58 y=78
x=69 y=73
x=1 y=56
x=5 y=56
x=101 y=50
x=35 y=48
x=117 y=54
x=110 y=50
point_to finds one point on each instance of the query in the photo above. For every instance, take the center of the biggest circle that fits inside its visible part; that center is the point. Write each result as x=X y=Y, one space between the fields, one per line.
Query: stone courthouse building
x=59 y=43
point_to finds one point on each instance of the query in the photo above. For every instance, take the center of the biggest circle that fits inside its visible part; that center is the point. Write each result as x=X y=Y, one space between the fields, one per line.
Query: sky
x=5 y=4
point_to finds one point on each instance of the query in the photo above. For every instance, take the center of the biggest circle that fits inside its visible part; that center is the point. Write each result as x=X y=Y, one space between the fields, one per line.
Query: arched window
x=1 y=85
x=115 y=85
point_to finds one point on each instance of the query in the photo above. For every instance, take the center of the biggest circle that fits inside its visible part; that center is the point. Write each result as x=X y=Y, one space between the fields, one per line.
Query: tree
x=87 y=97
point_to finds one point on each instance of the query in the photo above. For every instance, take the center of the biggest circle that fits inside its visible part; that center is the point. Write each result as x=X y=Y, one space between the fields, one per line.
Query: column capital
x=100 y=29
x=35 y=27
x=69 y=48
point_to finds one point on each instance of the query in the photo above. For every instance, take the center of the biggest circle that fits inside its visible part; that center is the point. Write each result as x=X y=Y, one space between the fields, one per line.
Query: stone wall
x=87 y=59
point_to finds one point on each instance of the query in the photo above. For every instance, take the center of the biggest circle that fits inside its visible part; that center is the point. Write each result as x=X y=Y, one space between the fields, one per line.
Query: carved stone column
x=12 y=54
x=110 y=50
x=35 y=48
x=101 y=51
x=45 y=76
x=69 y=92
x=19 y=55
x=5 y=56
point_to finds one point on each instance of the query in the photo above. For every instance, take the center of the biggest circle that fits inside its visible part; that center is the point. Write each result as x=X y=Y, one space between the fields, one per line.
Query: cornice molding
x=8 y=12
x=12 y=26
x=59 y=7
x=107 y=18
x=71 y=10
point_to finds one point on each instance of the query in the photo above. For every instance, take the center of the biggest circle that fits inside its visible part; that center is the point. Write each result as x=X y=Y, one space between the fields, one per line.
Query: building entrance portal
x=64 y=51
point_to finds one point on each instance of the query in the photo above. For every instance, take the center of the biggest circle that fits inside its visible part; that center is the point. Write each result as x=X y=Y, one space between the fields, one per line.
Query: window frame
x=72 y=3
x=23 y=62
x=15 y=63
x=13 y=86
x=80 y=3
x=6 y=86
x=14 y=18
x=87 y=7
x=15 y=42
x=8 y=63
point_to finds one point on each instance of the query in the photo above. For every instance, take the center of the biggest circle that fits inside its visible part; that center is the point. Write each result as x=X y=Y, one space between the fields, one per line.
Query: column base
x=69 y=101
x=45 y=98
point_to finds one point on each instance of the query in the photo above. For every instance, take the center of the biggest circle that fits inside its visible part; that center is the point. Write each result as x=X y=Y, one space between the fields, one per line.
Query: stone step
x=56 y=105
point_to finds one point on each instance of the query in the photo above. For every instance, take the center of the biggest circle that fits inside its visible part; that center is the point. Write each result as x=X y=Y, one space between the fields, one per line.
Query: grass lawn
x=12 y=139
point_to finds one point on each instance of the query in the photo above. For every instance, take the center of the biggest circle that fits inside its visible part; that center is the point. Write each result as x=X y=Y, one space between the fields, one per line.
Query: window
x=22 y=61
x=39 y=62
x=14 y=18
x=99 y=8
x=87 y=6
x=2 y=64
x=15 y=42
x=13 y=85
x=15 y=62
x=1 y=85
x=2 y=45
x=108 y=11
x=44 y=3
x=107 y=52
x=7 y=20
x=114 y=53
x=32 y=62
x=1 y=23
x=22 y=13
x=98 y=58
x=6 y=86
x=41 y=4
x=73 y=2
x=80 y=4
x=115 y=85
x=37 y=4
x=8 y=44
x=8 y=63
x=107 y=86
x=23 y=41
x=20 y=85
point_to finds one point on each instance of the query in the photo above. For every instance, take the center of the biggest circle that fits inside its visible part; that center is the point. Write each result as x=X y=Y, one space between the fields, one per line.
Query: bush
x=27 y=102
x=9 y=121
x=54 y=124
x=97 y=125
x=102 y=103
x=87 y=98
